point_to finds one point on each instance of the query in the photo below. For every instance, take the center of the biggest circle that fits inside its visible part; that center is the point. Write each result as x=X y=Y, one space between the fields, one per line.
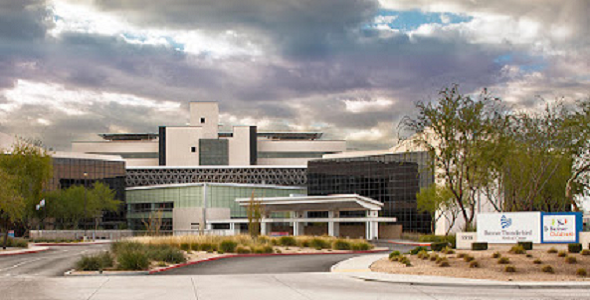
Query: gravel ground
x=526 y=270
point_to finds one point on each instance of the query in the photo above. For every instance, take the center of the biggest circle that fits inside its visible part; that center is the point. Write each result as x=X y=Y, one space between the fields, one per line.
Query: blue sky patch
x=412 y=19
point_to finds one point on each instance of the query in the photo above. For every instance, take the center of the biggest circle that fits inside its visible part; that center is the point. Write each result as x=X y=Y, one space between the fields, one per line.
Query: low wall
x=390 y=232
x=79 y=234
x=316 y=230
x=585 y=239
x=353 y=231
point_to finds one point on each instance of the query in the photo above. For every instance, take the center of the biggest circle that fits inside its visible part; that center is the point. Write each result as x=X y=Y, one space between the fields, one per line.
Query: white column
x=263 y=227
x=372 y=228
x=331 y=231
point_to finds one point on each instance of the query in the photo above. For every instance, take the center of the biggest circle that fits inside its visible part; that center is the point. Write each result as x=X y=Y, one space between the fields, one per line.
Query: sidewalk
x=359 y=268
x=30 y=250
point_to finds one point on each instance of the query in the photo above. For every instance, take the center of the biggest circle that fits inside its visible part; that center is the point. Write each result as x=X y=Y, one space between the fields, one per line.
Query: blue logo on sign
x=505 y=222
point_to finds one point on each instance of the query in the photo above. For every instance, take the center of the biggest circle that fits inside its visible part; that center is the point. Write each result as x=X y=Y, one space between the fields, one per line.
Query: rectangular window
x=202 y=120
x=193 y=149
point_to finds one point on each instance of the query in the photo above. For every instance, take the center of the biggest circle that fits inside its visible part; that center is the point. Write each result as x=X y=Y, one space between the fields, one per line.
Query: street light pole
x=85 y=200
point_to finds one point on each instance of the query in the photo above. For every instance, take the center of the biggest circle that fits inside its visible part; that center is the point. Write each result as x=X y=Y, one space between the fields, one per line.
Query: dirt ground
x=526 y=270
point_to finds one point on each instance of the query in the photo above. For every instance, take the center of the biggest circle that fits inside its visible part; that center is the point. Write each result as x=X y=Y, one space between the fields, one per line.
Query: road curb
x=106 y=273
x=417 y=244
x=478 y=285
x=25 y=252
x=260 y=255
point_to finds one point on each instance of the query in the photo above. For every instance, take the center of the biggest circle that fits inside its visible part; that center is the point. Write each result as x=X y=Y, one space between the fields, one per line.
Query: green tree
x=577 y=136
x=254 y=211
x=31 y=168
x=453 y=129
x=12 y=205
x=438 y=202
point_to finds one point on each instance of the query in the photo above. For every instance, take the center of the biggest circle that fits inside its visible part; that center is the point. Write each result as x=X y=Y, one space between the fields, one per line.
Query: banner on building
x=509 y=228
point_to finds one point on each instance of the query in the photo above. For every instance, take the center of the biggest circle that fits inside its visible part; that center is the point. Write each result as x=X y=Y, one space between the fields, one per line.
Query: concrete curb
x=25 y=252
x=509 y=285
x=107 y=273
x=69 y=244
x=260 y=255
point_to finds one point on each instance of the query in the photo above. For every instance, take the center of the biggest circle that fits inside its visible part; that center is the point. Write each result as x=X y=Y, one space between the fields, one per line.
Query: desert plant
x=503 y=260
x=574 y=248
x=528 y=255
x=473 y=264
x=581 y=272
x=242 y=250
x=165 y=253
x=278 y=251
x=518 y=249
x=404 y=260
x=585 y=252
x=95 y=262
x=394 y=255
x=562 y=254
x=438 y=246
x=444 y=263
x=479 y=246
x=446 y=239
x=537 y=261
x=132 y=260
x=228 y=246
x=526 y=245
x=468 y=258
x=287 y=241
x=570 y=260
x=547 y=269
x=341 y=245
x=433 y=257
x=440 y=259
x=417 y=250
x=552 y=250
x=509 y=269
x=362 y=246
x=448 y=250
x=461 y=255
x=162 y=264
x=423 y=254
x=319 y=243
x=496 y=255
x=207 y=247
x=185 y=247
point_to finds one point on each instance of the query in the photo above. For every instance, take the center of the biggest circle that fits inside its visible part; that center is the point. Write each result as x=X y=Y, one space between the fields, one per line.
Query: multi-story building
x=202 y=144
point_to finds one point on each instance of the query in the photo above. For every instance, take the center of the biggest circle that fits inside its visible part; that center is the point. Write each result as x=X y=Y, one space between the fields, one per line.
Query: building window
x=193 y=149
x=202 y=120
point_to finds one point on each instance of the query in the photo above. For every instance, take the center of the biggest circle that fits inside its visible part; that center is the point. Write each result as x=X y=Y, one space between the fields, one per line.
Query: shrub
x=95 y=262
x=417 y=250
x=474 y=264
x=574 y=248
x=404 y=260
x=278 y=251
x=461 y=255
x=448 y=239
x=185 y=247
x=503 y=260
x=132 y=260
x=509 y=269
x=362 y=246
x=468 y=258
x=585 y=252
x=552 y=250
x=15 y=242
x=496 y=255
x=263 y=239
x=517 y=250
x=440 y=259
x=228 y=246
x=433 y=257
x=448 y=250
x=267 y=249
x=394 y=255
x=438 y=246
x=194 y=246
x=162 y=264
x=537 y=261
x=423 y=254
x=561 y=254
x=479 y=246
x=528 y=255
x=547 y=269
x=570 y=260
x=444 y=263
x=341 y=245
x=165 y=253
x=319 y=243
x=287 y=241
x=581 y=272
x=242 y=250
x=126 y=246
x=207 y=247
x=526 y=245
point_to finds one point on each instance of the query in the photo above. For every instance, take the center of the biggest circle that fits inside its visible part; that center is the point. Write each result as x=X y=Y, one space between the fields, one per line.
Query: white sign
x=507 y=228
x=559 y=228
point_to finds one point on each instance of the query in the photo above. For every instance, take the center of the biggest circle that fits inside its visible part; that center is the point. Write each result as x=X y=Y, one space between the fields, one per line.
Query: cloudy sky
x=351 y=68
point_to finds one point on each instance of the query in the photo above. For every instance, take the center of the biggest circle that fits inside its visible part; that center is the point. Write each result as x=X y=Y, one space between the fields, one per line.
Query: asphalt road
x=53 y=262
x=263 y=265
x=290 y=286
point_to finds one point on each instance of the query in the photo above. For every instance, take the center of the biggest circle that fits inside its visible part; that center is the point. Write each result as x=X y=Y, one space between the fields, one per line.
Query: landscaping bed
x=156 y=253
x=499 y=264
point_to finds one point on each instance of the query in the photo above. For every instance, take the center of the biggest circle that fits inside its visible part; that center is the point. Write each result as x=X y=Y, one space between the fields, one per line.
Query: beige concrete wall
x=179 y=141
x=317 y=230
x=182 y=217
x=301 y=146
x=118 y=147
x=283 y=161
x=390 y=231
x=239 y=146
x=209 y=111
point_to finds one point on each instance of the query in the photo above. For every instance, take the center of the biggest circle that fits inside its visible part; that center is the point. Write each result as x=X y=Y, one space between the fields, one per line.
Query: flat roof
x=311 y=203
x=128 y=136
x=218 y=167
x=176 y=185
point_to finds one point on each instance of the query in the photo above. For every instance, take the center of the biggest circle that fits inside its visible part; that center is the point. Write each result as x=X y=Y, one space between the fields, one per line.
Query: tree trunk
x=5 y=243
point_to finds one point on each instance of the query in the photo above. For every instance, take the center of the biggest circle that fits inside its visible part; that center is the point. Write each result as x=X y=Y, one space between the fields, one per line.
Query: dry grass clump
x=433 y=257
x=461 y=255
x=547 y=269
x=503 y=260
x=444 y=264
x=509 y=269
x=537 y=261
x=585 y=252
x=440 y=259
x=552 y=250
x=496 y=255
x=473 y=264
x=528 y=255
x=468 y=258
x=581 y=272
x=570 y=260
x=562 y=253
x=518 y=249
x=448 y=250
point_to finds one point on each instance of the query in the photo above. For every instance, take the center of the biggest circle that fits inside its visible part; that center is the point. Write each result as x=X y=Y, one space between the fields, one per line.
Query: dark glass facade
x=393 y=179
x=213 y=152
x=70 y=171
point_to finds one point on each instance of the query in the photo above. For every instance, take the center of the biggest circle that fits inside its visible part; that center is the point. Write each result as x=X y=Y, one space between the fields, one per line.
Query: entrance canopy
x=348 y=202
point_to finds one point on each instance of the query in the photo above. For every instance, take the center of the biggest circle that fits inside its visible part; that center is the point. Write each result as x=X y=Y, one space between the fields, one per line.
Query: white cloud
x=362 y=106
x=372 y=134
